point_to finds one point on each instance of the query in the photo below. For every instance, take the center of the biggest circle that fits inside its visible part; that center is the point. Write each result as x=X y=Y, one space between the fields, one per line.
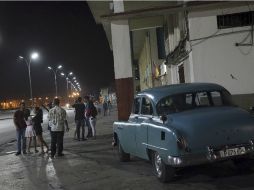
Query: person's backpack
x=94 y=111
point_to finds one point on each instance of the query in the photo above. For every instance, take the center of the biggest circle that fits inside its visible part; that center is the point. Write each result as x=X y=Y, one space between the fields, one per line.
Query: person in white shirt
x=58 y=123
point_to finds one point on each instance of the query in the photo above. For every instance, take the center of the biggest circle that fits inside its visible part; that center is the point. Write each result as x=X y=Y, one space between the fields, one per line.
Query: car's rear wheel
x=123 y=156
x=163 y=172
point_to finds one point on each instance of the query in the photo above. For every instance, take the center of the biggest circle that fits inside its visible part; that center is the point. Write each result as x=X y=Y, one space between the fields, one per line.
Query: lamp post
x=33 y=56
x=55 y=74
x=67 y=82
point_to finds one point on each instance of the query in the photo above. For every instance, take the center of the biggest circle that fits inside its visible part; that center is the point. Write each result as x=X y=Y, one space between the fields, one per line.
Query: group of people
x=85 y=115
x=28 y=127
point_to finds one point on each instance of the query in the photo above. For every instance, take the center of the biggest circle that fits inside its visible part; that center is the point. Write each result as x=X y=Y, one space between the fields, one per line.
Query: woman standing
x=37 y=120
x=30 y=133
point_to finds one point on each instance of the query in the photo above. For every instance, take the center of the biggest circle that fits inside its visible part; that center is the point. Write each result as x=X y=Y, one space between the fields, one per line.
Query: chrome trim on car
x=154 y=146
x=211 y=155
x=174 y=161
x=213 y=152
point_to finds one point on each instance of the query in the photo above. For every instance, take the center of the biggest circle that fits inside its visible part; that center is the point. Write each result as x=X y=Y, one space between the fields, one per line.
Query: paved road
x=7 y=129
x=94 y=164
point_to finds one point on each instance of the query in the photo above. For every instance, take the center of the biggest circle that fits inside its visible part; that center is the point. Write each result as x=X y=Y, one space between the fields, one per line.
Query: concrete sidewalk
x=80 y=168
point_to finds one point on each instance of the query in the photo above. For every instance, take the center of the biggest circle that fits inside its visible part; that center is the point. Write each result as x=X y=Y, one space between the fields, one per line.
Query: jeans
x=57 y=141
x=20 y=134
x=92 y=121
x=87 y=122
x=80 y=123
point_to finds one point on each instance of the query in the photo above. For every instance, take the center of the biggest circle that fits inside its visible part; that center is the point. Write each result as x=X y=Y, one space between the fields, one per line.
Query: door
x=128 y=136
x=144 y=120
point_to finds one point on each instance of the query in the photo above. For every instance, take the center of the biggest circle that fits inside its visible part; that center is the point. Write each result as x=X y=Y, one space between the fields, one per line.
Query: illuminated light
x=46 y=98
x=20 y=57
x=34 y=55
x=56 y=97
x=71 y=73
x=60 y=66
x=62 y=74
x=67 y=105
x=49 y=68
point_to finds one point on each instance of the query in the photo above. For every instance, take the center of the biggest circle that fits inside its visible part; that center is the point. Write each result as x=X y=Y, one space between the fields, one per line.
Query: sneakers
x=18 y=153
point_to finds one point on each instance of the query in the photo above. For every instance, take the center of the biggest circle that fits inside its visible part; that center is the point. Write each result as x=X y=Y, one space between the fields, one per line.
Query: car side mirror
x=163 y=118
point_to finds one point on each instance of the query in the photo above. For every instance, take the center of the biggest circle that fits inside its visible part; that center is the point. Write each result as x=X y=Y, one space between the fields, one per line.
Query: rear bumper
x=211 y=155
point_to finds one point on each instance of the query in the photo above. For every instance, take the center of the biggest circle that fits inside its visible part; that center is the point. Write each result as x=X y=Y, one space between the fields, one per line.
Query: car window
x=166 y=106
x=146 y=107
x=216 y=98
x=136 y=106
x=193 y=100
x=202 y=99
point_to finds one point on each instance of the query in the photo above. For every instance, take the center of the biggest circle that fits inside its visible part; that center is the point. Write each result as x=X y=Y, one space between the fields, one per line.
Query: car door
x=128 y=137
x=144 y=119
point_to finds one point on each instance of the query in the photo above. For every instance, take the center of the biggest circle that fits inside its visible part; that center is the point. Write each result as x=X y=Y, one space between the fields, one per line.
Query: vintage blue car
x=185 y=124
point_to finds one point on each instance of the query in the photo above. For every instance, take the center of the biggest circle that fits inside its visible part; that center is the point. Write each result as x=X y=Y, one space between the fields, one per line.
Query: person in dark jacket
x=80 y=118
x=20 y=124
x=37 y=121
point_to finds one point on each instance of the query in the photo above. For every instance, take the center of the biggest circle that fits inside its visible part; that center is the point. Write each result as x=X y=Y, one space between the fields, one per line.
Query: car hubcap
x=158 y=164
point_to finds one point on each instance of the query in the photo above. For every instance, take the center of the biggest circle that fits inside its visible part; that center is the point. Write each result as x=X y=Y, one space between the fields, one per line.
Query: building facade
x=181 y=42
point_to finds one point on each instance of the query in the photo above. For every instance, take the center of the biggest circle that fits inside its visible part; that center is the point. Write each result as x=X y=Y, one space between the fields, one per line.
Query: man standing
x=20 y=124
x=57 y=122
x=80 y=118
x=105 y=107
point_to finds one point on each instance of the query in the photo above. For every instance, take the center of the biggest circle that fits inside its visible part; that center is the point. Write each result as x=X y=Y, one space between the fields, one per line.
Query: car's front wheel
x=123 y=156
x=163 y=172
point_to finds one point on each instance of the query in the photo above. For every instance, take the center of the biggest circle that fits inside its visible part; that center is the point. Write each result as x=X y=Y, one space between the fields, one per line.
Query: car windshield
x=193 y=100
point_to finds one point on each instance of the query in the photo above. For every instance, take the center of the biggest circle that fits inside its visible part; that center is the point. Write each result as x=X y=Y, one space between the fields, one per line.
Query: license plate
x=232 y=152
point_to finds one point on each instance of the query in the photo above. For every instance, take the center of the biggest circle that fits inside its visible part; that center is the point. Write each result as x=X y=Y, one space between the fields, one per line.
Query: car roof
x=158 y=93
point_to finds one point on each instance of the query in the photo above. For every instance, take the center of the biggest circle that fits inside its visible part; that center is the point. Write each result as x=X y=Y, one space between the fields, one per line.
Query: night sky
x=62 y=33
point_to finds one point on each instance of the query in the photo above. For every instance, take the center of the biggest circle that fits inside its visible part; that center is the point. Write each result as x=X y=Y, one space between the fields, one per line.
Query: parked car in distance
x=185 y=124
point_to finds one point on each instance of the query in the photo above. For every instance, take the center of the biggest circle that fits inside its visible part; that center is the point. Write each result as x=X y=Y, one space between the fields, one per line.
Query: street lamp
x=55 y=74
x=67 y=81
x=33 y=56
